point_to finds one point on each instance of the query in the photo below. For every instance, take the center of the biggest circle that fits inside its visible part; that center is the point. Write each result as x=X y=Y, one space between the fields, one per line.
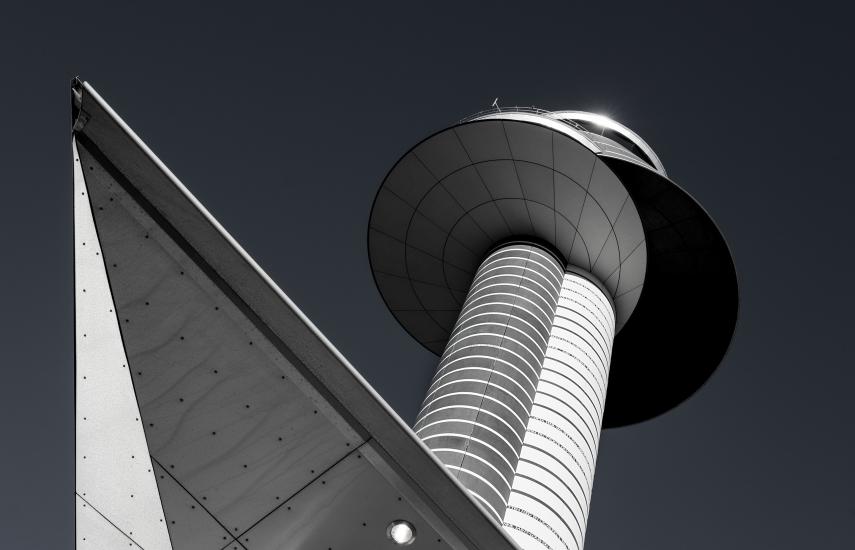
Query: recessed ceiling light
x=401 y=532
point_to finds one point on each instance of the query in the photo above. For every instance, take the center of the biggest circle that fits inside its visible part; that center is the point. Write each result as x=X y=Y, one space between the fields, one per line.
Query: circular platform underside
x=458 y=193
x=686 y=316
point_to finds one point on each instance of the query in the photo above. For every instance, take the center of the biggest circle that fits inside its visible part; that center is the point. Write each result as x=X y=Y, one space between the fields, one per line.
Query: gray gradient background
x=284 y=122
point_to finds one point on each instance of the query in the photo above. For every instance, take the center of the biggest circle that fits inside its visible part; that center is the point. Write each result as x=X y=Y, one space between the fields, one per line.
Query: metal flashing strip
x=615 y=126
x=462 y=522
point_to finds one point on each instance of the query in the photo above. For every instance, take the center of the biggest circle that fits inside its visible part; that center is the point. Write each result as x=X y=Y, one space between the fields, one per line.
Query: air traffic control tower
x=567 y=284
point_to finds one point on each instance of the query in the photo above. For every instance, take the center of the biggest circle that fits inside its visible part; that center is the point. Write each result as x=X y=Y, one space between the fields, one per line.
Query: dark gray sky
x=283 y=124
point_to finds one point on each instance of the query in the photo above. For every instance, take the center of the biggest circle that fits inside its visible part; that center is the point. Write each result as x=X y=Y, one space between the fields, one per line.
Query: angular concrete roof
x=211 y=413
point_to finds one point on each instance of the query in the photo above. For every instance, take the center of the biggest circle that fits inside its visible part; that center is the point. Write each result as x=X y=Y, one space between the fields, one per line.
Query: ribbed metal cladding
x=476 y=411
x=551 y=493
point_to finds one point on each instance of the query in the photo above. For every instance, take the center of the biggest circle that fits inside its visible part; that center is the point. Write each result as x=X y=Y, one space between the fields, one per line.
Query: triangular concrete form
x=116 y=489
x=211 y=398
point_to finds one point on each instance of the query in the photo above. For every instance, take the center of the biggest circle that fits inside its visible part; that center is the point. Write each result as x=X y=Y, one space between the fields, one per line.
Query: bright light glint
x=401 y=532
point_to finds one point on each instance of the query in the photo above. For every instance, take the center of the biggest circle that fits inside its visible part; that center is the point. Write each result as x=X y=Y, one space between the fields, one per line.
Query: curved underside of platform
x=460 y=192
x=686 y=315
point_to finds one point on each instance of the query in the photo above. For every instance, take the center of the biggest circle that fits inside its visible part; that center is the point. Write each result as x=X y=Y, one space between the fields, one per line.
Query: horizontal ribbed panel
x=551 y=489
x=477 y=409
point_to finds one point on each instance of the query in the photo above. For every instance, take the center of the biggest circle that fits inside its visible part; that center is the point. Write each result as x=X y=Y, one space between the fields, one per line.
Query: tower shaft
x=476 y=411
x=551 y=493
x=516 y=405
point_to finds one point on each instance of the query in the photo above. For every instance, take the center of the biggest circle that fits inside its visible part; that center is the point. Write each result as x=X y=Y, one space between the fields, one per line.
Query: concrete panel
x=469 y=232
x=542 y=220
x=530 y=142
x=441 y=208
x=438 y=296
x=467 y=188
x=484 y=141
x=516 y=215
x=190 y=525
x=353 y=502
x=629 y=233
x=632 y=269
x=537 y=183
x=500 y=177
x=429 y=268
x=396 y=214
x=573 y=159
x=490 y=219
x=426 y=235
x=95 y=532
x=397 y=291
x=387 y=253
x=219 y=410
x=442 y=154
x=113 y=469
x=458 y=280
x=607 y=190
x=594 y=228
x=410 y=180
x=569 y=198
x=608 y=260
x=565 y=233
x=459 y=255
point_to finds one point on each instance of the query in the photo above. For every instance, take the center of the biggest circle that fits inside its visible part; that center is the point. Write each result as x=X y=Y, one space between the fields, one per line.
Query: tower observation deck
x=567 y=284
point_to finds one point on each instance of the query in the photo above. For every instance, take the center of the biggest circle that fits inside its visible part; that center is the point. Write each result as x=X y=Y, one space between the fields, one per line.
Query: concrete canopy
x=241 y=425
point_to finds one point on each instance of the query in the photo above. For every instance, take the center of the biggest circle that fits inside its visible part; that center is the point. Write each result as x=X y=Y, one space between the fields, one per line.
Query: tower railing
x=521 y=109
